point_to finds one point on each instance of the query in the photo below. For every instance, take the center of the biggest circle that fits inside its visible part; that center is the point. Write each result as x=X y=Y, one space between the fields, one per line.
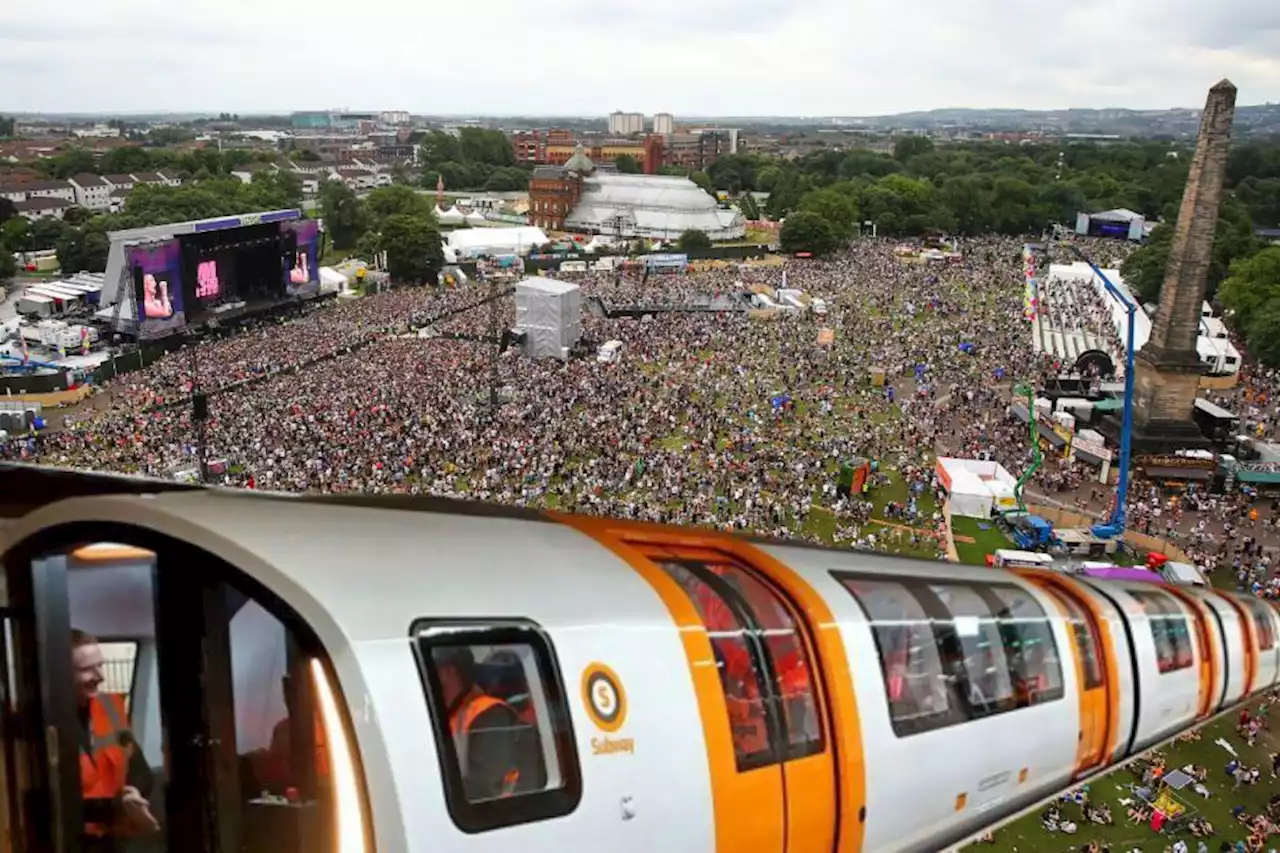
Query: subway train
x=295 y=669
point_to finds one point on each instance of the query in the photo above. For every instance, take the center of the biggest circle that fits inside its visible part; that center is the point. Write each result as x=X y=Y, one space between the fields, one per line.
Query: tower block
x=1167 y=377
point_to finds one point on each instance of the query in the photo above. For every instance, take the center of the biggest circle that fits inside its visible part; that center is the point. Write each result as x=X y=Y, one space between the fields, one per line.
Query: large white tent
x=472 y=242
x=976 y=488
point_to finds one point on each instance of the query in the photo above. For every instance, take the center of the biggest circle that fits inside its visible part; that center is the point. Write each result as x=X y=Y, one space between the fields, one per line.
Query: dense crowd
x=350 y=397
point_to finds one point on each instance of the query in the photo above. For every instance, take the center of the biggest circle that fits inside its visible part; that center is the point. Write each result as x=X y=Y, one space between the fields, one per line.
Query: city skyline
x=785 y=58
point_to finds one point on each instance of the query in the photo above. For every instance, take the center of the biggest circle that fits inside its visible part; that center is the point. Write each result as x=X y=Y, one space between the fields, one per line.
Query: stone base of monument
x=1164 y=437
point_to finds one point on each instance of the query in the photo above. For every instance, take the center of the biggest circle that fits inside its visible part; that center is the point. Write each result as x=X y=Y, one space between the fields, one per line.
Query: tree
x=911 y=146
x=7 y=127
x=703 y=180
x=838 y=209
x=693 y=240
x=806 y=231
x=8 y=266
x=390 y=201
x=16 y=235
x=413 y=247
x=626 y=164
x=344 y=217
x=1251 y=292
x=1233 y=239
x=126 y=160
x=1263 y=333
x=77 y=216
x=747 y=204
x=8 y=210
x=84 y=249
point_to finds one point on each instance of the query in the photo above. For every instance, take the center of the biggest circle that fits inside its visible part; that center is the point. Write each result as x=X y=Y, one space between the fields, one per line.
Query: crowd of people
x=385 y=393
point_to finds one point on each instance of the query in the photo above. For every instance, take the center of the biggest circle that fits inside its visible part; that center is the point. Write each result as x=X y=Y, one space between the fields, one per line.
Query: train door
x=774 y=707
x=1205 y=647
x=189 y=727
x=1097 y=684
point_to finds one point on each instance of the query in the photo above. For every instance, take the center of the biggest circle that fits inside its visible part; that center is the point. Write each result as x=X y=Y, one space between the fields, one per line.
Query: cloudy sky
x=588 y=57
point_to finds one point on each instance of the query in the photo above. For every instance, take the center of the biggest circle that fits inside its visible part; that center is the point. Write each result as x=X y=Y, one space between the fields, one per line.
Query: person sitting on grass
x=1100 y=815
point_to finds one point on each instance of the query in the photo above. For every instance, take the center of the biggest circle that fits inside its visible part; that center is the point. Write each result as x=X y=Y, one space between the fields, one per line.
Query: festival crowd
x=375 y=394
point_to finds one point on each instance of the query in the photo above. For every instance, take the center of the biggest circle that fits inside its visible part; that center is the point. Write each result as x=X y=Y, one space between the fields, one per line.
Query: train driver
x=498 y=754
x=114 y=777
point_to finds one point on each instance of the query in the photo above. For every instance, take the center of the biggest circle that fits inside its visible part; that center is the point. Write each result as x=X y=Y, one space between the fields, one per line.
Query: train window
x=792 y=672
x=740 y=677
x=1029 y=645
x=920 y=693
x=972 y=638
x=502 y=725
x=1169 y=631
x=1083 y=634
x=1262 y=621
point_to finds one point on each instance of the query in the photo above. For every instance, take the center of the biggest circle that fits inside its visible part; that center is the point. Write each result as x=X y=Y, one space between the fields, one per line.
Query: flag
x=26 y=354
x=84 y=340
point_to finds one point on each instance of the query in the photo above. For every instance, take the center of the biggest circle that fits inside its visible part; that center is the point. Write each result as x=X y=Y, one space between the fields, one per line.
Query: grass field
x=973 y=544
x=1123 y=836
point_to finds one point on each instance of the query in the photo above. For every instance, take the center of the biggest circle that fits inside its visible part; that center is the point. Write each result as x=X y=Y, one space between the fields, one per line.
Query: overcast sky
x=588 y=57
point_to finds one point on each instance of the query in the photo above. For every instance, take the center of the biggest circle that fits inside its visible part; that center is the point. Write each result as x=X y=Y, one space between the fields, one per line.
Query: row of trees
x=396 y=220
x=199 y=164
x=81 y=238
x=475 y=159
x=980 y=188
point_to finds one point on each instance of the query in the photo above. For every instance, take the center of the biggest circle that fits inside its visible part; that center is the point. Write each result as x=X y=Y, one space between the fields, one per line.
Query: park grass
x=1027 y=834
x=984 y=541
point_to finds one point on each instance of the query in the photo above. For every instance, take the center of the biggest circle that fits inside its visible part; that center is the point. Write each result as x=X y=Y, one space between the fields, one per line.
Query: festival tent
x=472 y=242
x=976 y=488
x=475 y=217
x=452 y=216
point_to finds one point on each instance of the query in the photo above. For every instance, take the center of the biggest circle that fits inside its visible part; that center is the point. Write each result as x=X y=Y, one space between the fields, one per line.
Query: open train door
x=768 y=709
x=1095 y=666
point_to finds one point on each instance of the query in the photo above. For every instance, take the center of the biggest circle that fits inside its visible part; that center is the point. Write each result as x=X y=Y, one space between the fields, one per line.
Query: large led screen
x=157 y=288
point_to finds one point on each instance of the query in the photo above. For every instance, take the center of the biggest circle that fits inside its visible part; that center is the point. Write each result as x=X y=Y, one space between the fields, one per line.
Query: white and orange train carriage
x=688 y=691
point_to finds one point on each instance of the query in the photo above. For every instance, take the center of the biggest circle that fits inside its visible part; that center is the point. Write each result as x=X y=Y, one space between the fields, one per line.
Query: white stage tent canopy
x=976 y=488
x=471 y=242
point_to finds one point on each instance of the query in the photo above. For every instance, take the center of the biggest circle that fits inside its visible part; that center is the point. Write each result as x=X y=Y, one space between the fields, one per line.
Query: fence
x=1139 y=542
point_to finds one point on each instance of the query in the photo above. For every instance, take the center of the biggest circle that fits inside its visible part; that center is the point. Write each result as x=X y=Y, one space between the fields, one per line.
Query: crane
x=1114 y=525
x=1037 y=458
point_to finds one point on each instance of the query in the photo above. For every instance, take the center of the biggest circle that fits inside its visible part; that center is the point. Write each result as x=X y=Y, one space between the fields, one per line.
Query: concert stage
x=171 y=279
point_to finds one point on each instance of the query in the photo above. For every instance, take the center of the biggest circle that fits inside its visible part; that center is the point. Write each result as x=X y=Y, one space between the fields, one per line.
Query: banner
x=302 y=279
x=1088 y=446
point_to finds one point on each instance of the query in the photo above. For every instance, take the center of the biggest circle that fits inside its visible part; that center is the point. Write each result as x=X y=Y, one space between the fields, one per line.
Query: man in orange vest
x=114 y=777
x=497 y=754
x=273 y=767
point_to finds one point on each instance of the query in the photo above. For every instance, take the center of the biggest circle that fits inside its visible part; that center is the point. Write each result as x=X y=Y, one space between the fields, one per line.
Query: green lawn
x=1123 y=836
x=985 y=541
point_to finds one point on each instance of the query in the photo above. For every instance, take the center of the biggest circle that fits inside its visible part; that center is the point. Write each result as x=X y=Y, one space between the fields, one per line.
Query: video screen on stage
x=1099 y=228
x=303 y=276
x=235 y=269
x=157 y=288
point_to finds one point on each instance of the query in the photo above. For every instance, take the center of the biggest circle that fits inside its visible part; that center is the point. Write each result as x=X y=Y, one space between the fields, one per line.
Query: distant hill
x=1257 y=119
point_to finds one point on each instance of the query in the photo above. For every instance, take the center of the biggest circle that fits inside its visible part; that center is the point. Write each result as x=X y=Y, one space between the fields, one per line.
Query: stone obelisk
x=1168 y=372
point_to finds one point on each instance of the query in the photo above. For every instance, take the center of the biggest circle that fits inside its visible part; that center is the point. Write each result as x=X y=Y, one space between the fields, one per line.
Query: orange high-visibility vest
x=460 y=723
x=104 y=769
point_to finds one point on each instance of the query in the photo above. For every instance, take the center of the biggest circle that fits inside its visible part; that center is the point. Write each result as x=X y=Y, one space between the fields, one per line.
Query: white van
x=1006 y=558
x=610 y=351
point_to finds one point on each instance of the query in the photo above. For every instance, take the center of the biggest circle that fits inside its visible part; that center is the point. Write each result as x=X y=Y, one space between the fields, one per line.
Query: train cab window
x=1169 y=630
x=1262 y=622
x=1029 y=646
x=920 y=693
x=502 y=727
x=737 y=660
x=972 y=645
x=792 y=671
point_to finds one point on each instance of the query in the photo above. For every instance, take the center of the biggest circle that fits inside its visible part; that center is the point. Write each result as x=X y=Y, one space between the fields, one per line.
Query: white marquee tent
x=472 y=242
x=976 y=488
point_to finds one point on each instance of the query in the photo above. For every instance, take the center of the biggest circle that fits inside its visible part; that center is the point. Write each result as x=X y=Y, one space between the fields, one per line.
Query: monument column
x=1167 y=378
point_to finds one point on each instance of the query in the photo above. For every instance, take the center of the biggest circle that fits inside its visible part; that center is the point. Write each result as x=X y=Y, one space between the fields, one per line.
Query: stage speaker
x=200 y=407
